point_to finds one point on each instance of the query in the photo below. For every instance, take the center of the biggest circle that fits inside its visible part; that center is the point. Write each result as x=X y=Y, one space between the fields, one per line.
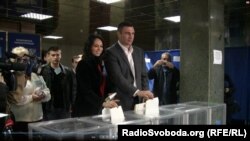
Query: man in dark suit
x=166 y=78
x=126 y=68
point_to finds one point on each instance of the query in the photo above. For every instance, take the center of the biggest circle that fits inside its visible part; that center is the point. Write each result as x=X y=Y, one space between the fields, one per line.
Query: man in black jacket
x=166 y=78
x=60 y=81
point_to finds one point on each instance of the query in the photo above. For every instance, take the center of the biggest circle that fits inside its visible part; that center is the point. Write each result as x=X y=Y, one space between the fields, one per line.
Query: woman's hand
x=110 y=103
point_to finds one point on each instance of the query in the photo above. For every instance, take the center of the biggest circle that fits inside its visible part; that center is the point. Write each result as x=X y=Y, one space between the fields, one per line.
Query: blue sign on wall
x=29 y=41
x=156 y=55
x=2 y=43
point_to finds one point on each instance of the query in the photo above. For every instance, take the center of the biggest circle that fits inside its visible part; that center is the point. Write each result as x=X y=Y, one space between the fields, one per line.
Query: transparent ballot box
x=67 y=129
x=192 y=114
x=113 y=128
x=129 y=119
x=216 y=111
x=165 y=117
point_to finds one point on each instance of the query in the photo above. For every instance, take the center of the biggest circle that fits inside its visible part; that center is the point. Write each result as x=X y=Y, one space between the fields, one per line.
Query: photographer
x=26 y=100
x=166 y=77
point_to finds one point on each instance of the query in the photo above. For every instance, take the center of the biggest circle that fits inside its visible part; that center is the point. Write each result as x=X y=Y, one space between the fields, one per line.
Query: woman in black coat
x=92 y=81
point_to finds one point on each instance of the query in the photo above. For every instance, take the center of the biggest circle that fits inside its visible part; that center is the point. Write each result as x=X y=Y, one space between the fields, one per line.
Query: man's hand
x=169 y=64
x=158 y=63
x=145 y=95
x=163 y=63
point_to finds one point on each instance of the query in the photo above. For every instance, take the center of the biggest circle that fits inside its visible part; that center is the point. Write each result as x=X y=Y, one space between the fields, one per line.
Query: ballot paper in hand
x=117 y=115
x=105 y=111
x=3 y=115
x=112 y=96
x=105 y=114
x=152 y=107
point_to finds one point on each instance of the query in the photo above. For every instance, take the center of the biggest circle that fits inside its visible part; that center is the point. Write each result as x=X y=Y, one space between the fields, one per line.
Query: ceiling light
x=108 y=28
x=175 y=19
x=53 y=37
x=36 y=16
x=108 y=1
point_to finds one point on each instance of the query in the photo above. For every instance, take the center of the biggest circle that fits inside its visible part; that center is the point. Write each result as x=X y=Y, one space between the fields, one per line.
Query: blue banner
x=29 y=41
x=2 y=43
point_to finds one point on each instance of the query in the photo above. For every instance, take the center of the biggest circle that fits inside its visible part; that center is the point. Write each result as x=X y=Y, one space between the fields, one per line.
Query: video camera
x=34 y=65
x=7 y=68
x=6 y=64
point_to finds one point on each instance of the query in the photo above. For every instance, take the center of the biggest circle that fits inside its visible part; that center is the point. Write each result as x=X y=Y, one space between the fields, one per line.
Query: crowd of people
x=59 y=92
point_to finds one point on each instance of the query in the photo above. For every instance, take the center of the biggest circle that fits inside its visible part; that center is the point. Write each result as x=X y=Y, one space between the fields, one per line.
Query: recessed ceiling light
x=175 y=19
x=108 y=28
x=36 y=16
x=108 y=1
x=53 y=37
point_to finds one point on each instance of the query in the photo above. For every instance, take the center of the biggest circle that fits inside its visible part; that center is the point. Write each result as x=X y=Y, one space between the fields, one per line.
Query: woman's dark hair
x=88 y=44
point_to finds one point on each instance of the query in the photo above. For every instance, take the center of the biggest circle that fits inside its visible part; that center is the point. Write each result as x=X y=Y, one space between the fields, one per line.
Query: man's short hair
x=169 y=56
x=124 y=24
x=53 y=48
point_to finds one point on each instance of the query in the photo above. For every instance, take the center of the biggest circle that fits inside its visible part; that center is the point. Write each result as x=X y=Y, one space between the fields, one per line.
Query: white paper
x=106 y=115
x=117 y=115
x=139 y=108
x=217 y=56
x=147 y=60
x=106 y=111
x=112 y=96
x=176 y=59
x=3 y=115
x=152 y=107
